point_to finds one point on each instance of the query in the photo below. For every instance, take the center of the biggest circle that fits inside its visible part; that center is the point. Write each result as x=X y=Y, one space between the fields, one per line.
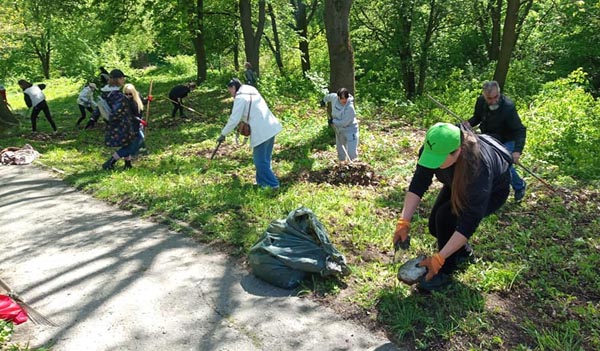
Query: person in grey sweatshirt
x=344 y=123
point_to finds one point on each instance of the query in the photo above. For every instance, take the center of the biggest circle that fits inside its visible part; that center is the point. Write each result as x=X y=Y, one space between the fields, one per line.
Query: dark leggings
x=42 y=106
x=82 y=110
x=176 y=106
x=442 y=222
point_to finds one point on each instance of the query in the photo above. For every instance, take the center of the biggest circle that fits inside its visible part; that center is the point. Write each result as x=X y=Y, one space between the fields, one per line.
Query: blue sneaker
x=519 y=194
x=438 y=282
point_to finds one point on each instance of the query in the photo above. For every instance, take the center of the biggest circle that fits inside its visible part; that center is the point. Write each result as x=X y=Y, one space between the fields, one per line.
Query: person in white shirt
x=250 y=107
x=34 y=97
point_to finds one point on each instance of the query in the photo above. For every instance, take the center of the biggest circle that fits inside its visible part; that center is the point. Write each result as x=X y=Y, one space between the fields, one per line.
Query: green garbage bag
x=292 y=247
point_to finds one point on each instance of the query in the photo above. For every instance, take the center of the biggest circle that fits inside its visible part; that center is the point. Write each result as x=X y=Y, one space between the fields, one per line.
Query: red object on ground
x=11 y=311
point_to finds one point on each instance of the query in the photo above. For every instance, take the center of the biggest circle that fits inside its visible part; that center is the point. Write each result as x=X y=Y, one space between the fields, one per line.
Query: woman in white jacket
x=250 y=107
x=344 y=123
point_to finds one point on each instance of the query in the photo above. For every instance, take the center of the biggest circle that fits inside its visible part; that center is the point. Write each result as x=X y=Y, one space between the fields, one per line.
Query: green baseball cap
x=441 y=140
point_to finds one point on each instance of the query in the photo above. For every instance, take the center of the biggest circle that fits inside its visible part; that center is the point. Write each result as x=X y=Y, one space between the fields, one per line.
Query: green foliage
x=181 y=65
x=563 y=127
x=6 y=331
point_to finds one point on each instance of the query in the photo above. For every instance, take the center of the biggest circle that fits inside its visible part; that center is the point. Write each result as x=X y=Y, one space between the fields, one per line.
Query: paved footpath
x=114 y=281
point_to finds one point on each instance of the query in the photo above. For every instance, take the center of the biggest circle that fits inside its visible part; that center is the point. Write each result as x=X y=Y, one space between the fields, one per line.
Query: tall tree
x=488 y=14
x=252 y=38
x=195 y=18
x=501 y=47
x=276 y=44
x=341 y=54
x=302 y=17
x=516 y=12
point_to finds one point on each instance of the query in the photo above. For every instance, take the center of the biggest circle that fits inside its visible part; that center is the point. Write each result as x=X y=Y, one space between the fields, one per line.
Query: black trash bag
x=292 y=247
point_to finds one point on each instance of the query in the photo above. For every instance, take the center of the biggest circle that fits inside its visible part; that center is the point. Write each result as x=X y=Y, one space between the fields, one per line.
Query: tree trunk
x=196 y=26
x=496 y=16
x=276 y=47
x=251 y=38
x=43 y=50
x=341 y=54
x=302 y=19
x=433 y=21
x=405 y=51
x=509 y=40
x=488 y=15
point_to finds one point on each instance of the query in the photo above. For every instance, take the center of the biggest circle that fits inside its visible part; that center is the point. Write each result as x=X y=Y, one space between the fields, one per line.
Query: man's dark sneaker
x=519 y=194
x=437 y=283
x=127 y=164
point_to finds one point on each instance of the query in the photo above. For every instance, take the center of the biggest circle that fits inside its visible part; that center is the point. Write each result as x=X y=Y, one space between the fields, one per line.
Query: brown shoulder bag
x=244 y=127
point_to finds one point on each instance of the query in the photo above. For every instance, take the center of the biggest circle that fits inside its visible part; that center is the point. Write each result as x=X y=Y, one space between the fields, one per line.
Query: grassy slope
x=535 y=284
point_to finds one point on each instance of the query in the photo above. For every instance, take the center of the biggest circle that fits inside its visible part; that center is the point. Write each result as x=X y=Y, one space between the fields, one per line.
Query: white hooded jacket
x=263 y=123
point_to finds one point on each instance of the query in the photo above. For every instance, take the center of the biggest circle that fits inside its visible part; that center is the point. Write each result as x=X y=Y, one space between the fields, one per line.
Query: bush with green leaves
x=563 y=127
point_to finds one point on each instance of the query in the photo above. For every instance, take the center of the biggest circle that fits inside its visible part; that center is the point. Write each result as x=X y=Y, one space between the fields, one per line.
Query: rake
x=35 y=316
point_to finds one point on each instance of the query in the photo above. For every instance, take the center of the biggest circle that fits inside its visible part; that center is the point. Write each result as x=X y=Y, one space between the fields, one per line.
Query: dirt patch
x=352 y=173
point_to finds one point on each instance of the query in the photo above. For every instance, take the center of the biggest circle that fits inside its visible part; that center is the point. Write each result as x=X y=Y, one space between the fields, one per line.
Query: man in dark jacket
x=177 y=94
x=496 y=115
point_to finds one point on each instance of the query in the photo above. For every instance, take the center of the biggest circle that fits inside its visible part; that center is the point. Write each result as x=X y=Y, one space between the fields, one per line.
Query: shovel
x=212 y=156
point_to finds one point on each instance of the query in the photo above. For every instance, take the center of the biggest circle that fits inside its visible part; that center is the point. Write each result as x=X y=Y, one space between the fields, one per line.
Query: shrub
x=563 y=127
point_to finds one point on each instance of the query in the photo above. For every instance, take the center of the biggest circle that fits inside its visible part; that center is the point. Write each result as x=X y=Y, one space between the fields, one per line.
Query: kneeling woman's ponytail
x=465 y=170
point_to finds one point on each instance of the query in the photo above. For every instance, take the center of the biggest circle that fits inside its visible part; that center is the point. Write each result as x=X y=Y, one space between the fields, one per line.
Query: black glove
x=322 y=103
x=330 y=121
x=221 y=139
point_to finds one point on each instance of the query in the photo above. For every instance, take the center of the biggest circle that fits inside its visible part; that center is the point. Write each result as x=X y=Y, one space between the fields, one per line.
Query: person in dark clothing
x=34 y=97
x=136 y=107
x=496 y=115
x=250 y=75
x=475 y=178
x=104 y=76
x=177 y=94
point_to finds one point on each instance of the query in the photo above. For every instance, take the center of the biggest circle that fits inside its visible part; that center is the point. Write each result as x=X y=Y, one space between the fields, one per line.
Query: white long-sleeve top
x=344 y=116
x=263 y=123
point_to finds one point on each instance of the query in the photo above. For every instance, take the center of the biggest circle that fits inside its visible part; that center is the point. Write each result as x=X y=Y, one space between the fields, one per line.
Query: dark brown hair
x=24 y=84
x=343 y=93
x=466 y=169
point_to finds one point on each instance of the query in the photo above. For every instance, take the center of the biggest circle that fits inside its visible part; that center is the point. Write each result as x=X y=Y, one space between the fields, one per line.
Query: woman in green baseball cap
x=475 y=175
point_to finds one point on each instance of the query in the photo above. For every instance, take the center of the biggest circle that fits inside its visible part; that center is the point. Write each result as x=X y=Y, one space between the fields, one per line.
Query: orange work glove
x=433 y=264
x=401 y=238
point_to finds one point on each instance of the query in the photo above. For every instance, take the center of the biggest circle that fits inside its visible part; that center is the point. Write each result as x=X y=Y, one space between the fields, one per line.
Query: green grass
x=535 y=285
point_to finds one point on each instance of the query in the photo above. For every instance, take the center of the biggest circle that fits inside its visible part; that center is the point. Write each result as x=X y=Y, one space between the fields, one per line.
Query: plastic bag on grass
x=292 y=247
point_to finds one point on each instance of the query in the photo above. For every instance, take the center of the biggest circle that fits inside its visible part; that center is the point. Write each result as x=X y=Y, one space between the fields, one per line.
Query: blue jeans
x=261 y=155
x=515 y=181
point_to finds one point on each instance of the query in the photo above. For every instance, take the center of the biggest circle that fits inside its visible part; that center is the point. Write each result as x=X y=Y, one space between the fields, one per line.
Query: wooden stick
x=148 y=107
